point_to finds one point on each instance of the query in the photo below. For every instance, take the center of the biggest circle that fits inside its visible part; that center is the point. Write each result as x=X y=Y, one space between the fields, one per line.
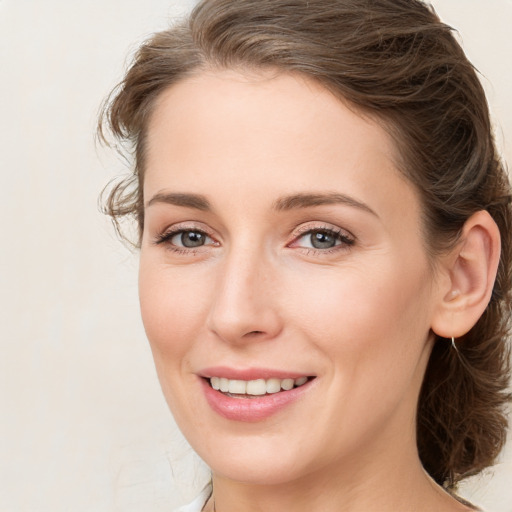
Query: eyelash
x=345 y=240
x=165 y=238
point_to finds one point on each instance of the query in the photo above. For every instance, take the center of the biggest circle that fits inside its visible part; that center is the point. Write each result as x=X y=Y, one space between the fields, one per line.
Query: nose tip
x=243 y=321
x=243 y=307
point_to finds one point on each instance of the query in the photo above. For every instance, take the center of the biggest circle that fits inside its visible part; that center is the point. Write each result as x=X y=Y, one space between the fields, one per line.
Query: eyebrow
x=285 y=203
x=196 y=201
x=308 y=200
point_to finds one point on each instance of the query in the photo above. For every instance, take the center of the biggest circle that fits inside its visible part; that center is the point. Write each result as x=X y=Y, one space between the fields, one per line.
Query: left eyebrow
x=196 y=201
x=308 y=200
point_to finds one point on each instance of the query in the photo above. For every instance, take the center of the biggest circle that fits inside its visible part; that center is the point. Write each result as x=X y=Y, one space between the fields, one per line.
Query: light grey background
x=83 y=425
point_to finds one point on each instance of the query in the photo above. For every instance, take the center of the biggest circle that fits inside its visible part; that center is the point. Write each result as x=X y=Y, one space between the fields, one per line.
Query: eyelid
x=164 y=236
x=313 y=226
x=347 y=239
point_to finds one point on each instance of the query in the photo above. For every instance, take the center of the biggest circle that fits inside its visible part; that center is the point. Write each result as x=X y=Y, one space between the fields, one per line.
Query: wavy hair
x=397 y=62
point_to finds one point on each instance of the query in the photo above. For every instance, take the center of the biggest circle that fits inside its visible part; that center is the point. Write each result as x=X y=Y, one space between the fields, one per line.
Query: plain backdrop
x=83 y=424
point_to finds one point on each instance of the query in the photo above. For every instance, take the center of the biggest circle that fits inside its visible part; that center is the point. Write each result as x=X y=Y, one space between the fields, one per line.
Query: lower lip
x=252 y=409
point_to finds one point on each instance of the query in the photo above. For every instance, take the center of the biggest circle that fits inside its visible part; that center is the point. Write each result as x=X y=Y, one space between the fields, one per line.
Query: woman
x=325 y=257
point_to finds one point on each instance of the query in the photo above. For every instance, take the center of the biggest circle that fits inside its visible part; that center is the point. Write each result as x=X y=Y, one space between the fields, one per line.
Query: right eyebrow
x=195 y=201
x=310 y=200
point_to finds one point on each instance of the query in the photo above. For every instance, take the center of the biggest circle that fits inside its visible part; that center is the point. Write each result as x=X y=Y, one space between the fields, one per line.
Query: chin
x=257 y=461
x=265 y=472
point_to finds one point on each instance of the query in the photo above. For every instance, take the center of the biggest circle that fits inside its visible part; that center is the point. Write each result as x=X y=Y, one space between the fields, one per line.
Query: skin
x=357 y=316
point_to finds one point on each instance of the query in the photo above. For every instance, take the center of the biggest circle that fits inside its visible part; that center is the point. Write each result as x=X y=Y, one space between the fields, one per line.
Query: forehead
x=270 y=132
x=254 y=99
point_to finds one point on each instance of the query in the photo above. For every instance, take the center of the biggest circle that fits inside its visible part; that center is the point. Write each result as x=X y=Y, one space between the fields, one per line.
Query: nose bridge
x=243 y=300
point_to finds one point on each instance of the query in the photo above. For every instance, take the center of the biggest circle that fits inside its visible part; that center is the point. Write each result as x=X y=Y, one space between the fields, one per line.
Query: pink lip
x=251 y=409
x=248 y=374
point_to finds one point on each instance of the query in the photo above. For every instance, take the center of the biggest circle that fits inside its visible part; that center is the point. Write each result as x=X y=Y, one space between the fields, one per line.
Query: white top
x=198 y=504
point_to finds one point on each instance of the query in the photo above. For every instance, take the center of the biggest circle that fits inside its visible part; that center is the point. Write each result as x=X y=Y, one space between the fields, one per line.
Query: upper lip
x=249 y=373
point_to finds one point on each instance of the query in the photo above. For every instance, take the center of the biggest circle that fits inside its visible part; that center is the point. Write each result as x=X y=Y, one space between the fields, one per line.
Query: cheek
x=370 y=328
x=371 y=310
x=171 y=309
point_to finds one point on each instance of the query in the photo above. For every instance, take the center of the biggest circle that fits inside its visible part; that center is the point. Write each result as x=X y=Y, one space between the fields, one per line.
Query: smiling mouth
x=255 y=388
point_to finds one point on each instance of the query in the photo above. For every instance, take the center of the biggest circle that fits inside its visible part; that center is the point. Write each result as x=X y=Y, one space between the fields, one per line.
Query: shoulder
x=198 y=504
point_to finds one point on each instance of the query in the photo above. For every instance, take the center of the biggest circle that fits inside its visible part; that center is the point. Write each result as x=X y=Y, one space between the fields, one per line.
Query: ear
x=466 y=277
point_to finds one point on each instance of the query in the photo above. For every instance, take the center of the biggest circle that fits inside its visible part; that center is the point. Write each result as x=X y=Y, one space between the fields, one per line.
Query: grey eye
x=323 y=240
x=189 y=239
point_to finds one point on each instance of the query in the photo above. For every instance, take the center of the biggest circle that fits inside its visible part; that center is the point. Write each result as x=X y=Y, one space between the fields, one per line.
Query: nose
x=244 y=305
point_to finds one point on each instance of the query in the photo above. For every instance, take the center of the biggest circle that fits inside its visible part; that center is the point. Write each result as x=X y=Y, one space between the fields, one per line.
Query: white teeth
x=273 y=386
x=215 y=382
x=287 y=384
x=224 y=385
x=255 y=387
x=237 y=387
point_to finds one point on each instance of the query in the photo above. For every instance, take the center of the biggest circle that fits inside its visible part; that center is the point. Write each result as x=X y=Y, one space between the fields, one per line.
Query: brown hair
x=396 y=61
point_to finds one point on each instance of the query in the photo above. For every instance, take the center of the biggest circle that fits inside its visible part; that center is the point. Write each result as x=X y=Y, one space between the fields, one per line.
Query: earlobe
x=470 y=270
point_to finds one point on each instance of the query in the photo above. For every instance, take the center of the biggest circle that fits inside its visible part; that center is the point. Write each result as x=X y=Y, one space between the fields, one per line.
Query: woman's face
x=281 y=244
